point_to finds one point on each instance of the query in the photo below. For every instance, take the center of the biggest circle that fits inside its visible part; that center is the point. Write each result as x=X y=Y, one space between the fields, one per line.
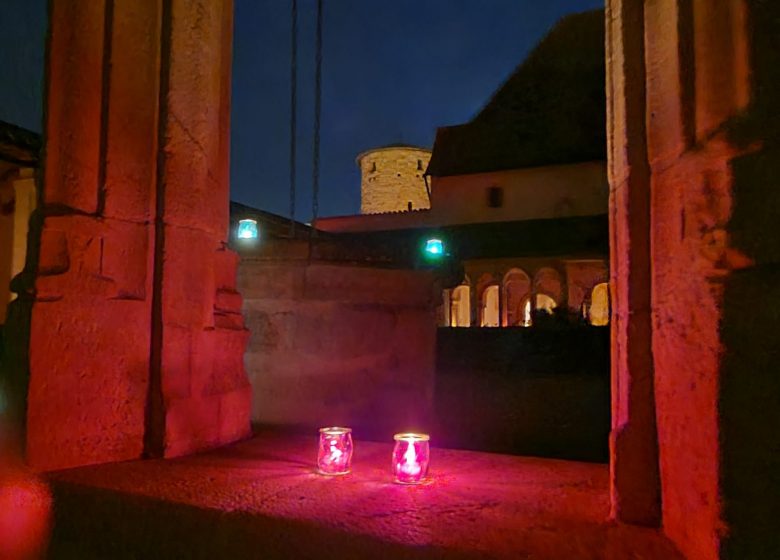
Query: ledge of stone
x=262 y=498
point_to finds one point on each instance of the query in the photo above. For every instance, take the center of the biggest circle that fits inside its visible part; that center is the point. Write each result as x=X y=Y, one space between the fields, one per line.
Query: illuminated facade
x=18 y=162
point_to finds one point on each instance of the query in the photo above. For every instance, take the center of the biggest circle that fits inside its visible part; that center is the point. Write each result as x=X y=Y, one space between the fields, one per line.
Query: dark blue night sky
x=393 y=71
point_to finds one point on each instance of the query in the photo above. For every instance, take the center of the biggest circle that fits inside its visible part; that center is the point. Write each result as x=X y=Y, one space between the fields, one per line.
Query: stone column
x=206 y=397
x=710 y=84
x=135 y=335
x=634 y=483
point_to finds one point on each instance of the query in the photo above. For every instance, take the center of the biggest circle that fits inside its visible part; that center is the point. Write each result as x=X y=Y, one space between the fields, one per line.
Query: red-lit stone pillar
x=634 y=481
x=709 y=86
x=136 y=338
x=206 y=397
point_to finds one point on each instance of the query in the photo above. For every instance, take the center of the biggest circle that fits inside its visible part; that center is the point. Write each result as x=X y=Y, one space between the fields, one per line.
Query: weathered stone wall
x=694 y=156
x=339 y=344
x=128 y=305
x=391 y=178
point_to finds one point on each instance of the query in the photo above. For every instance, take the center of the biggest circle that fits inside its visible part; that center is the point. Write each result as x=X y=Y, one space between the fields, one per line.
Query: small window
x=495 y=197
x=409 y=206
x=419 y=165
x=373 y=167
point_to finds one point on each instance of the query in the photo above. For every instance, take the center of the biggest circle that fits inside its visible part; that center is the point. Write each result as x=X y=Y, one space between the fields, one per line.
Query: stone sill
x=261 y=498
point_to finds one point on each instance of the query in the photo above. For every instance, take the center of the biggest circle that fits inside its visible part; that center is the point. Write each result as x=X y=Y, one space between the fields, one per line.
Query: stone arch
x=548 y=281
x=541 y=303
x=490 y=310
x=516 y=286
x=460 y=306
x=484 y=281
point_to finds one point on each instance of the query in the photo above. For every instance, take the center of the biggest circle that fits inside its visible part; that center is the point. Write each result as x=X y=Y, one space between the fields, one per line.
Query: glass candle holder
x=334 y=456
x=411 y=457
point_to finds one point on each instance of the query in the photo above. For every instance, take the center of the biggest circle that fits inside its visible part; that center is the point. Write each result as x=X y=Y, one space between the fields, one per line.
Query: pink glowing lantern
x=411 y=457
x=335 y=451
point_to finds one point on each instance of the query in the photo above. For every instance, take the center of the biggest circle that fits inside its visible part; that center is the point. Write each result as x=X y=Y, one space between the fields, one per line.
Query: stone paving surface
x=262 y=498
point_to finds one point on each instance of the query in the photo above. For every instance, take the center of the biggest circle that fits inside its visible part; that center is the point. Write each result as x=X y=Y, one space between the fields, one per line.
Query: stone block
x=258 y=280
x=202 y=364
x=226 y=268
x=270 y=330
x=124 y=259
x=53 y=256
x=235 y=414
x=233 y=321
x=369 y=285
x=105 y=258
x=228 y=301
x=227 y=370
x=334 y=330
x=85 y=403
x=131 y=140
x=191 y=425
x=188 y=277
x=73 y=115
x=177 y=356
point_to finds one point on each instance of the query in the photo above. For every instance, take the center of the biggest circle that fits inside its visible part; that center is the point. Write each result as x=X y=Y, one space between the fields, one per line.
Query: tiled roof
x=18 y=145
x=577 y=236
x=551 y=110
x=274 y=225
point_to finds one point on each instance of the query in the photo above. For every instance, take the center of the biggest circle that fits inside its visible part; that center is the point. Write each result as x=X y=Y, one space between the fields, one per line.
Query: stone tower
x=392 y=179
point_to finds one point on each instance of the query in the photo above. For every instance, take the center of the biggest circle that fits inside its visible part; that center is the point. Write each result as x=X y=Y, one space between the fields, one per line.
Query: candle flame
x=410 y=465
x=335 y=452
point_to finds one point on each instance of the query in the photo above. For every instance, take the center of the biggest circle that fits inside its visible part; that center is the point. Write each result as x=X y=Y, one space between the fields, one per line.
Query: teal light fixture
x=247 y=229
x=434 y=248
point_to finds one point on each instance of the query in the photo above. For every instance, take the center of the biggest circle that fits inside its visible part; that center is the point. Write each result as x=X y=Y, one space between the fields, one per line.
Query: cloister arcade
x=514 y=298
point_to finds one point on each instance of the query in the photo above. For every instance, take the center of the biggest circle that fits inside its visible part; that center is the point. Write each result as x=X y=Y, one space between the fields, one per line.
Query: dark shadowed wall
x=529 y=391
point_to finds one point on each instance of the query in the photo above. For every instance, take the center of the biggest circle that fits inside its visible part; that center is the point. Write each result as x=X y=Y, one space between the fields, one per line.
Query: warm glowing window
x=517 y=285
x=598 y=314
x=490 y=310
x=544 y=303
x=460 y=307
